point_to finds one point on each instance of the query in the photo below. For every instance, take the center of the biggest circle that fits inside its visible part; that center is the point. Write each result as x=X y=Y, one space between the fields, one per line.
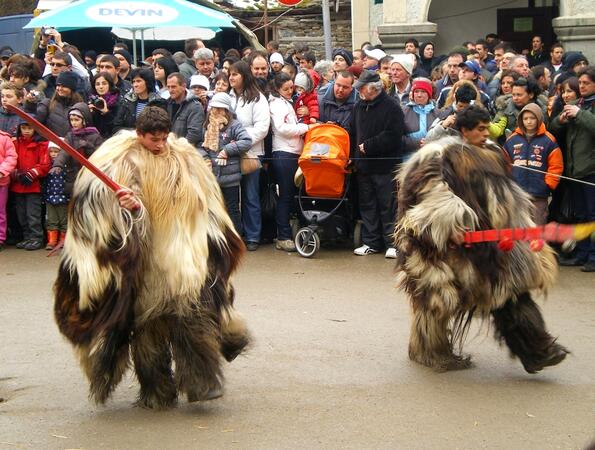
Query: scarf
x=111 y=98
x=215 y=125
x=422 y=112
x=84 y=131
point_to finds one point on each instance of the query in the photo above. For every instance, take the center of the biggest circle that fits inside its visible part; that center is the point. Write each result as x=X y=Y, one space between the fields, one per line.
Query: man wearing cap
x=277 y=63
x=125 y=63
x=185 y=112
x=376 y=129
x=199 y=86
x=204 y=60
x=336 y=105
x=470 y=71
x=5 y=53
x=401 y=68
x=372 y=58
x=342 y=59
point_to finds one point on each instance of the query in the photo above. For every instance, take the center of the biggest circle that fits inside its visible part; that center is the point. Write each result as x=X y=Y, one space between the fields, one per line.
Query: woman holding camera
x=104 y=103
x=53 y=113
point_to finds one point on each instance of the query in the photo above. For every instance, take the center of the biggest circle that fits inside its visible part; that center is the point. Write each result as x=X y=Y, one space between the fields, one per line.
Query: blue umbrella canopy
x=132 y=14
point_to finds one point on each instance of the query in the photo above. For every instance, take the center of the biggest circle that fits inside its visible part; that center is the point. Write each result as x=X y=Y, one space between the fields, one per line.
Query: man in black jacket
x=377 y=126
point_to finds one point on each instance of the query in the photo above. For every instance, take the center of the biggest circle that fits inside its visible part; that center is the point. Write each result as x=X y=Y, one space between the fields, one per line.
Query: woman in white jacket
x=287 y=147
x=252 y=110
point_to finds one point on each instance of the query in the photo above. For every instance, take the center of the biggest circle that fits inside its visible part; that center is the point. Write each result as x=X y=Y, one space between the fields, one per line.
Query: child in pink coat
x=8 y=161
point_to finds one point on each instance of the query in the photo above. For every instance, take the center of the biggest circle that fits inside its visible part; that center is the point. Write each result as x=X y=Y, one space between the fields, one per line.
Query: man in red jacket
x=33 y=164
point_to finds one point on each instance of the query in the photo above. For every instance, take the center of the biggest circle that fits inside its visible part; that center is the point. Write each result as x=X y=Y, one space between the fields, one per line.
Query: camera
x=48 y=31
x=35 y=94
x=97 y=101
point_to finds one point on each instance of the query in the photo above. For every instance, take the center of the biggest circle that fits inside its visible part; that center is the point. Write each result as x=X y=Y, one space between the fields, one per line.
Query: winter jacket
x=126 y=112
x=55 y=189
x=235 y=140
x=540 y=152
x=85 y=140
x=287 y=131
x=187 y=68
x=187 y=121
x=55 y=119
x=105 y=122
x=403 y=98
x=418 y=120
x=33 y=156
x=511 y=112
x=379 y=125
x=8 y=158
x=580 y=140
x=331 y=111
x=309 y=98
x=255 y=117
x=9 y=122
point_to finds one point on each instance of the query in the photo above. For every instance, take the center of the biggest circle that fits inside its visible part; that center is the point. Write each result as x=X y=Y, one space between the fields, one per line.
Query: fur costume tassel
x=445 y=189
x=157 y=291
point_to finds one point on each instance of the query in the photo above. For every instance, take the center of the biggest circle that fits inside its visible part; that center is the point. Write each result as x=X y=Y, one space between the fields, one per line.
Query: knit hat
x=276 y=57
x=571 y=59
x=347 y=56
x=405 y=60
x=424 y=84
x=221 y=100
x=200 y=81
x=125 y=54
x=301 y=80
x=534 y=109
x=76 y=112
x=67 y=79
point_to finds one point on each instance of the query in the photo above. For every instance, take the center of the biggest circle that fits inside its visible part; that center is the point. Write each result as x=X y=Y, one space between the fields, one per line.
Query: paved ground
x=329 y=369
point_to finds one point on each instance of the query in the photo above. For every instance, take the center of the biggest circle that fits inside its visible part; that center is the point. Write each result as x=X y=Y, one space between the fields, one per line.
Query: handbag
x=249 y=162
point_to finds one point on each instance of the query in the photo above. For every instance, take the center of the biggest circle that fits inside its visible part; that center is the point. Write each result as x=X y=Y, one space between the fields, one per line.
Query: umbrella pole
x=134 y=55
x=142 y=44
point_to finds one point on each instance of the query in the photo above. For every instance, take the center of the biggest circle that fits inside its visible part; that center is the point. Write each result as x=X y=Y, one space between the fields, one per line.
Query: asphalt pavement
x=328 y=370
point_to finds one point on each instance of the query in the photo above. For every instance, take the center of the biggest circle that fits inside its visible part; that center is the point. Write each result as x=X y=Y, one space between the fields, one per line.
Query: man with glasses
x=111 y=65
x=62 y=62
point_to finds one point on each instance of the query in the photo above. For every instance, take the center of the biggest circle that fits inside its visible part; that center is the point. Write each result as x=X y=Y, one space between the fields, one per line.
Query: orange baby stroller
x=323 y=191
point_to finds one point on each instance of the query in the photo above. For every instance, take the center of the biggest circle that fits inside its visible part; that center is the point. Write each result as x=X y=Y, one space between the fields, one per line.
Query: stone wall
x=308 y=30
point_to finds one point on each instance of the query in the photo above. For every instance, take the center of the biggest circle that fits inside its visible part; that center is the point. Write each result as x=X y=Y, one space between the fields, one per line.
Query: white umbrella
x=168 y=34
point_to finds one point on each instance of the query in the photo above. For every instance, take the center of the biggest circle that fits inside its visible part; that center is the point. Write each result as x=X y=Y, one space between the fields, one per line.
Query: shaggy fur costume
x=445 y=189
x=157 y=290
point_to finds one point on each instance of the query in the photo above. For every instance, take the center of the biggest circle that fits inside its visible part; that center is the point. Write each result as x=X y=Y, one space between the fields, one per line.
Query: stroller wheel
x=307 y=242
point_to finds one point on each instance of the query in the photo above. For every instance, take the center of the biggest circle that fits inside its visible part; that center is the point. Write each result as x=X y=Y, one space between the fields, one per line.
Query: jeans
x=377 y=207
x=284 y=167
x=251 y=213
x=3 y=201
x=585 y=249
x=29 y=215
x=231 y=196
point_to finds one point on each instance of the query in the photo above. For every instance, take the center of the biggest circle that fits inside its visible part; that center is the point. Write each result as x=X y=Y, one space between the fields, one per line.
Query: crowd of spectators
x=538 y=104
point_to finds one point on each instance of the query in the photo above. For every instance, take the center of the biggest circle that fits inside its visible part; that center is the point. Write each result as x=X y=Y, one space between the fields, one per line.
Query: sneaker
x=286 y=245
x=588 y=267
x=364 y=250
x=23 y=244
x=570 y=261
x=33 y=245
x=391 y=253
x=252 y=246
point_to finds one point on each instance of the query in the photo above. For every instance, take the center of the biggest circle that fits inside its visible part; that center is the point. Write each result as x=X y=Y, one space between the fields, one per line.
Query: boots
x=52 y=239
